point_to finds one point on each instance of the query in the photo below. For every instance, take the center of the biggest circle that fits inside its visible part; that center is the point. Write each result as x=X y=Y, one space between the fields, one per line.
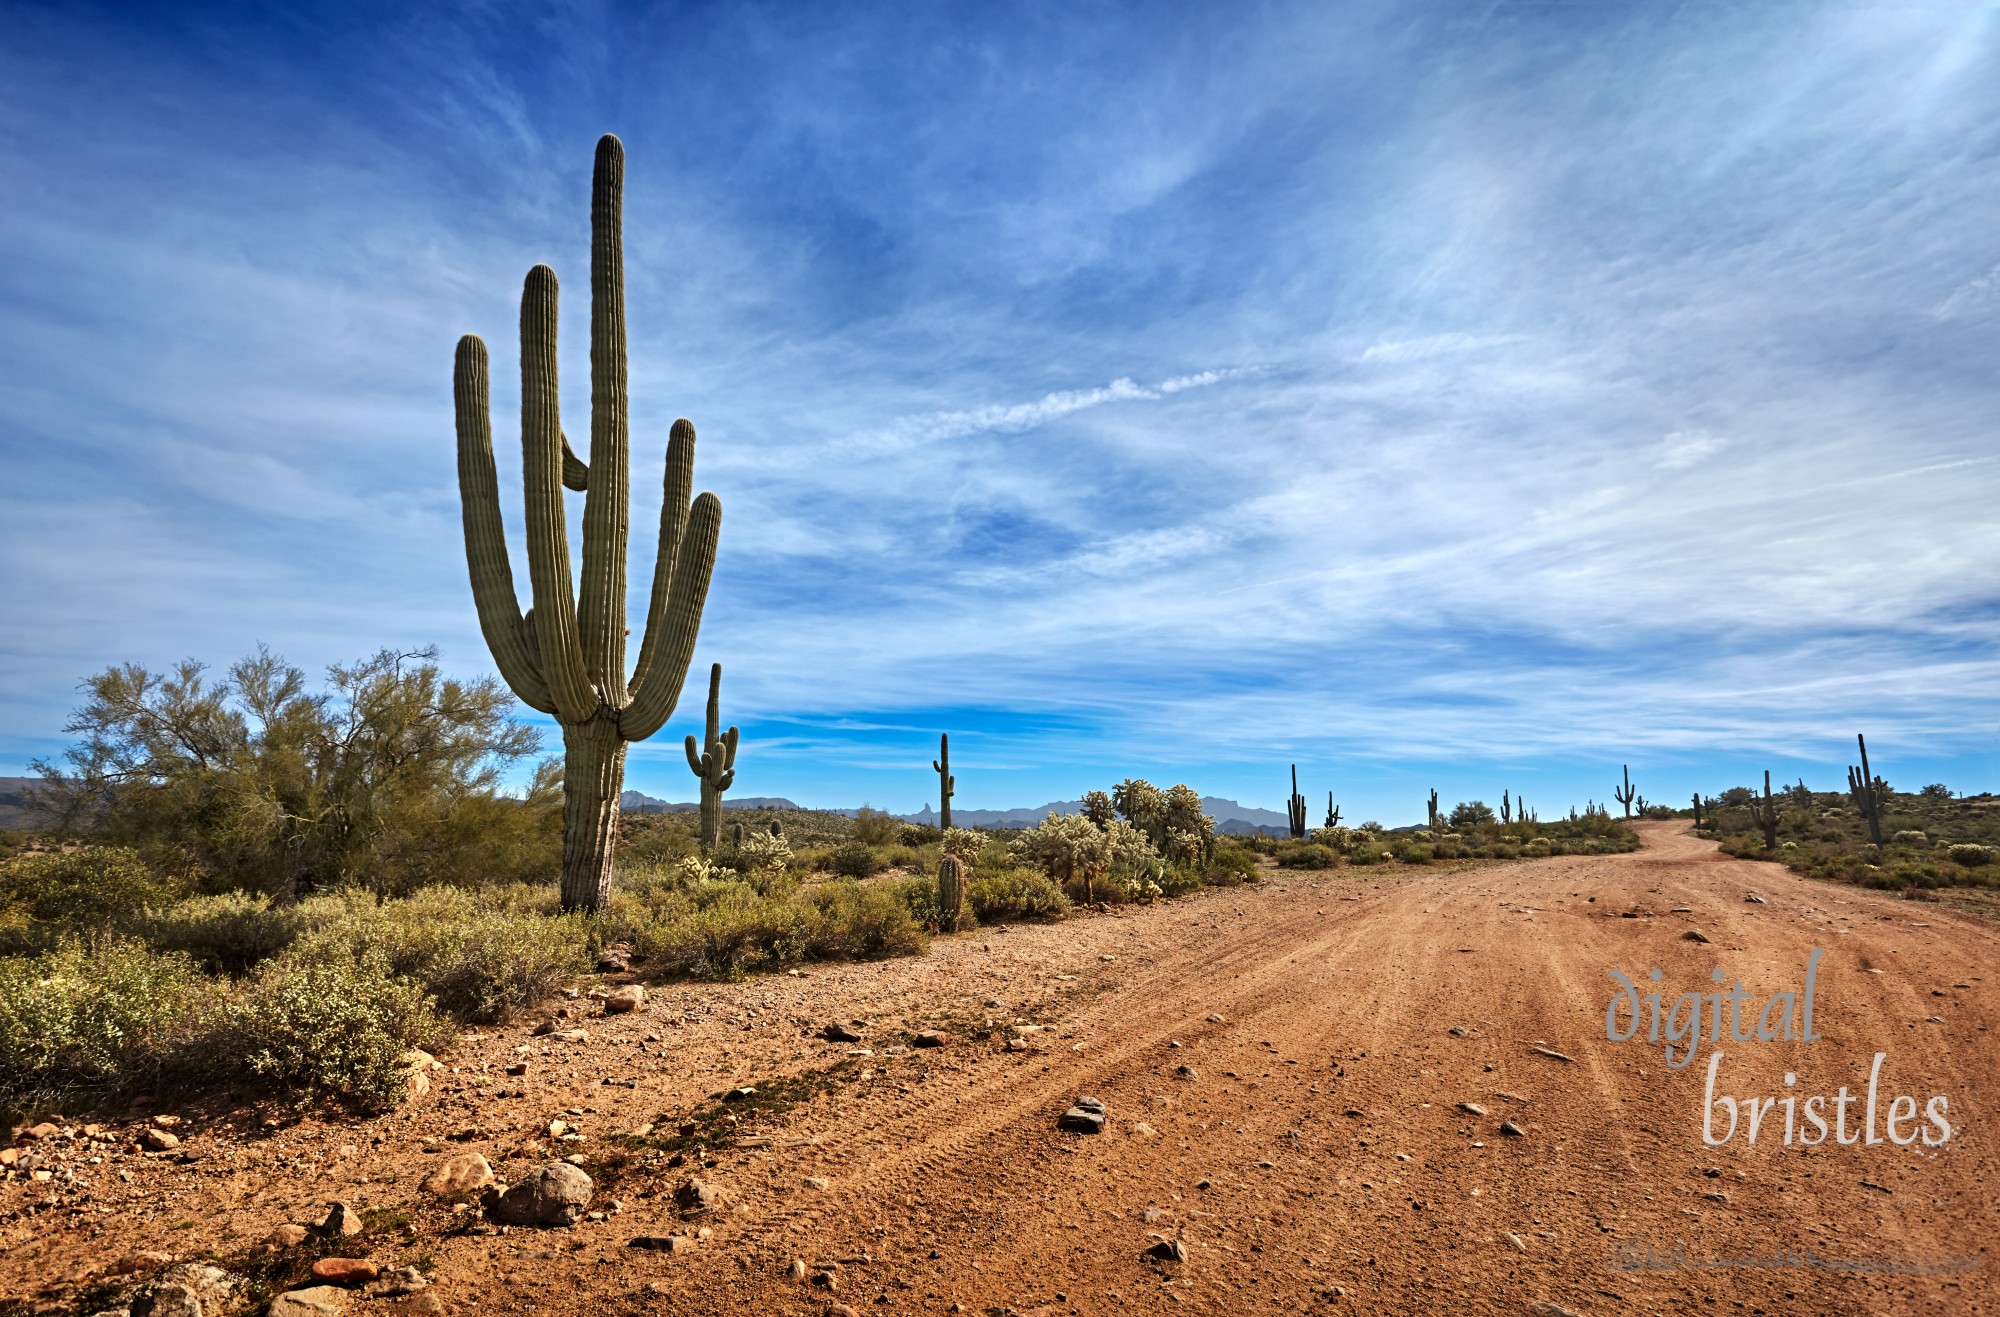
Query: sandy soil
x=1317 y=1158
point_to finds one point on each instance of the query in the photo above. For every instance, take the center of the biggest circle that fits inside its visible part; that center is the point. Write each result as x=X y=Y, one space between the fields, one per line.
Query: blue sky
x=1457 y=395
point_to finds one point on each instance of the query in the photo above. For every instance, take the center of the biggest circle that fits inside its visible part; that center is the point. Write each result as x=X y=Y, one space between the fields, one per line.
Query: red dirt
x=1318 y=1161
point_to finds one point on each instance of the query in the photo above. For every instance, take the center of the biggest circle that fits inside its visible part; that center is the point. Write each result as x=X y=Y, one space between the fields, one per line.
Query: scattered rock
x=697 y=1195
x=1166 y=1250
x=158 y=1140
x=1215 y=1019
x=555 y=1195
x=1185 y=1072
x=1472 y=1108
x=1143 y=1130
x=818 y=1182
x=1541 y=1309
x=133 y=1264
x=1754 y=899
x=614 y=959
x=1086 y=1116
x=1516 y=1241
x=168 y=1300
x=826 y=1280
x=571 y=1035
x=411 y=1305
x=1694 y=935
x=625 y=1000
x=461 y=1174
x=315 y=1301
x=281 y=1238
x=341 y=1222
x=837 y=1032
x=1018 y=1045
x=1511 y=1130
x=403 y=1280
x=1552 y=1053
x=929 y=1038
x=544 y=1029
x=44 y=1130
x=1716 y=1196
x=518 y=1068
x=665 y=1243
x=345 y=1272
x=797 y=1271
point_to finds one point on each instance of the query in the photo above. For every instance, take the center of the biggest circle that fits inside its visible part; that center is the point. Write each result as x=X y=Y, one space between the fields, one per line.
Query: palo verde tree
x=566 y=655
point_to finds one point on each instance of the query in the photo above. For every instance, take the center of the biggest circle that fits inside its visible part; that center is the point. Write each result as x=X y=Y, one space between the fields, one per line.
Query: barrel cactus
x=950 y=892
x=566 y=655
x=714 y=762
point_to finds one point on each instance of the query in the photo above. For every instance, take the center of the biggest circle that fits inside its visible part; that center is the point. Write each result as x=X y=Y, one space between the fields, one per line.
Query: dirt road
x=1317 y=1157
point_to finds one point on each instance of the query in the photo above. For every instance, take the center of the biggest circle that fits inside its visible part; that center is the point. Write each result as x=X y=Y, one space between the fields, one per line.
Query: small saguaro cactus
x=947 y=784
x=714 y=762
x=736 y=834
x=1869 y=793
x=950 y=892
x=1697 y=809
x=1332 y=812
x=1506 y=808
x=1626 y=794
x=1764 y=813
x=566 y=655
x=1433 y=807
x=1295 y=808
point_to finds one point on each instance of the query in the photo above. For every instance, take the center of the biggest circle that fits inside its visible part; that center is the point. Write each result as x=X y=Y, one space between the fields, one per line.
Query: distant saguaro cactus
x=1697 y=809
x=1869 y=793
x=1433 y=824
x=714 y=762
x=566 y=655
x=1764 y=813
x=950 y=892
x=1626 y=794
x=1506 y=808
x=1295 y=808
x=947 y=784
x=1332 y=812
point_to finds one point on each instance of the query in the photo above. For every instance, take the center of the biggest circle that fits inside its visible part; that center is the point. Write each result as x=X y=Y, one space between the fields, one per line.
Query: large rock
x=621 y=1001
x=315 y=1301
x=347 y=1272
x=556 y=1195
x=167 y=1301
x=462 y=1174
x=1087 y=1116
x=341 y=1222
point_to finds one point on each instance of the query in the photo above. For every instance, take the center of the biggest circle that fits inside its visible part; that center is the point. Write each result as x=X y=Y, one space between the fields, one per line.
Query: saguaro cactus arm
x=548 y=535
x=658 y=689
x=493 y=594
x=678 y=489
x=607 y=503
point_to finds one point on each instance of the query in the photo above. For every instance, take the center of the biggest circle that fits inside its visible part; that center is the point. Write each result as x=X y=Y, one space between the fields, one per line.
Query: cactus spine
x=947 y=784
x=951 y=893
x=1295 y=808
x=714 y=762
x=1332 y=812
x=1869 y=792
x=1625 y=795
x=1764 y=813
x=566 y=655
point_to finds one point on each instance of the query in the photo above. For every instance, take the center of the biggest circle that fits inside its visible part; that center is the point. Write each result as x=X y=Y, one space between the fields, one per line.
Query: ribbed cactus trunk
x=1295 y=807
x=714 y=762
x=947 y=784
x=951 y=893
x=566 y=655
x=1626 y=793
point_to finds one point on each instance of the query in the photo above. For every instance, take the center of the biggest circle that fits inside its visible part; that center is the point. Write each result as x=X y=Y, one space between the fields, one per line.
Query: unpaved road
x=1317 y=1160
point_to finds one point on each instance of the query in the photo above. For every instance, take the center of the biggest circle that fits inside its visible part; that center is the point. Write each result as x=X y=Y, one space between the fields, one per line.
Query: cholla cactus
x=1097 y=807
x=1181 y=812
x=765 y=851
x=1185 y=848
x=1143 y=805
x=950 y=892
x=694 y=869
x=714 y=762
x=964 y=843
x=1338 y=838
x=1067 y=847
x=1130 y=849
x=566 y=655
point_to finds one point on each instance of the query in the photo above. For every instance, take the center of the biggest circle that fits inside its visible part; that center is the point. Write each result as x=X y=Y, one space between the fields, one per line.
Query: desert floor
x=1314 y=1154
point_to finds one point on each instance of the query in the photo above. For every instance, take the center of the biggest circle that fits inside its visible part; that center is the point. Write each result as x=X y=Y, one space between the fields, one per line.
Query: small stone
x=1694 y=935
x=167 y=1301
x=544 y=1029
x=1511 y=1130
x=1081 y=1120
x=158 y=1140
x=697 y=1195
x=133 y=1264
x=1472 y=1108
x=461 y=1174
x=403 y=1280
x=818 y=1182
x=571 y=1035
x=518 y=1068
x=284 y=1237
x=1716 y=1196
x=740 y=1094
x=1185 y=1072
x=625 y=1000
x=558 y=1128
x=1167 y=1250
x=1017 y=1045
x=614 y=960
x=826 y=1280
x=929 y=1038
x=797 y=1271
x=837 y=1032
x=1215 y=1019
x=1143 y=1130
x=665 y=1243
x=556 y=1195
x=341 y=1222
x=1516 y=1241
x=413 y=1305
x=44 y=1130
x=1754 y=899
x=166 y=1122
x=315 y=1301
x=345 y=1272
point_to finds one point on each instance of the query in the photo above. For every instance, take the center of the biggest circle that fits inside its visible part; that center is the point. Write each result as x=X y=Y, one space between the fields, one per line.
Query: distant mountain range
x=1230 y=817
x=15 y=811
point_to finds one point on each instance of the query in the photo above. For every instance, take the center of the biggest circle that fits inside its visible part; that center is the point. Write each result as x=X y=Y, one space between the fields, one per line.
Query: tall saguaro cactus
x=1626 y=794
x=1432 y=806
x=947 y=784
x=714 y=762
x=1869 y=793
x=1332 y=812
x=566 y=655
x=1764 y=813
x=1295 y=808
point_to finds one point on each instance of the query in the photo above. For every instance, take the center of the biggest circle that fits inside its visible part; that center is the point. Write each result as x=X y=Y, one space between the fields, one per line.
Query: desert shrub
x=230 y=932
x=1970 y=854
x=1470 y=813
x=731 y=935
x=87 y=1021
x=853 y=859
x=320 y=1022
x=873 y=827
x=1308 y=856
x=1414 y=854
x=995 y=898
x=54 y=892
x=1332 y=838
x=917 y=834
x=856 y=922
x=1911 y=837
x=1229 y=865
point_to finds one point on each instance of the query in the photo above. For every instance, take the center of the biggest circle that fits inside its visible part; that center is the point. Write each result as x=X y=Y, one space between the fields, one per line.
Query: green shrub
x=853 y=859
x=321 y=1022
x=1970 y=854
x=996 y=898
x=856 y=922
x=730 y=934
x=1230 y=865
x=1308 y=856
x=88 y=1021
x=54 y=892
x=230 y=932
x=1911 y=837
x=873 y=827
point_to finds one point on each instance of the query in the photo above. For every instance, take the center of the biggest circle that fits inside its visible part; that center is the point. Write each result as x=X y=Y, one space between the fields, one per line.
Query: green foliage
x=860 y=922
x=874 y=827
x=853 y=859
x=229 y=931
x=1970 y=854
x=47 y=894
x=1308 y=856
x=1470 y=814
x=387 y=778
x=1013 y=894
x=1825 y=835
